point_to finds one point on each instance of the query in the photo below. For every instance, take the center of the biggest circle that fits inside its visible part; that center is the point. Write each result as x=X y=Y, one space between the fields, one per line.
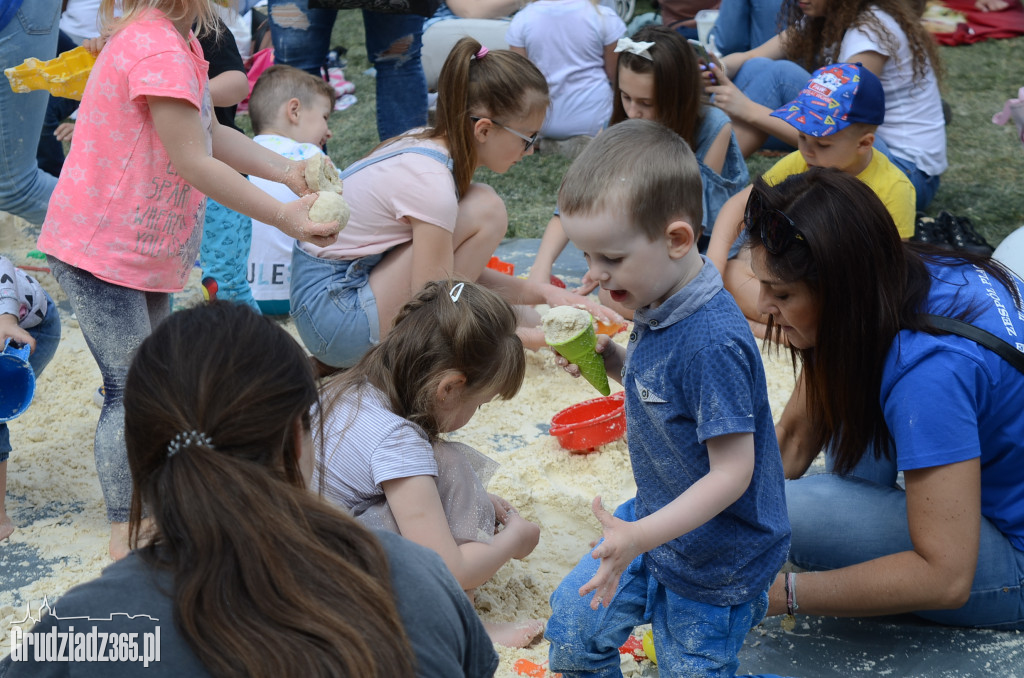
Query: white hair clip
x=633 y=47
x=456 y=292
x=186 y=439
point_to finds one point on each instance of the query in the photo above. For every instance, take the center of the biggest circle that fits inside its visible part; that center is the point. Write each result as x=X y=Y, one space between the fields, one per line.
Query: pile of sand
x=54 y=497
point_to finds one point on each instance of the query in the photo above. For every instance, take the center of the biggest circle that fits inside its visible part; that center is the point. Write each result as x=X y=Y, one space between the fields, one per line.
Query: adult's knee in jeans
x=289 y=15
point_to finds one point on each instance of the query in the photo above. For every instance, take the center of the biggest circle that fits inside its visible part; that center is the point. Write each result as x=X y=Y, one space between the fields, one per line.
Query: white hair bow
x=633 y=47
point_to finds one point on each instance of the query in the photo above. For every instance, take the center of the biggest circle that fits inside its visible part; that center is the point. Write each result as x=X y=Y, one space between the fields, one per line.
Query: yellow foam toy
x=64 y=76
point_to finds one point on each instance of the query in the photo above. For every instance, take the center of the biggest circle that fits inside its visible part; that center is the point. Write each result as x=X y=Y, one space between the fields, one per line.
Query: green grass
x=986 y=162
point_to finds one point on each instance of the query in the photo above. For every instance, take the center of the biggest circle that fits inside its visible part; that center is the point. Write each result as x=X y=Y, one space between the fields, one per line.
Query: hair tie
x=633 y=47
x=481 y=53
x=185 y=439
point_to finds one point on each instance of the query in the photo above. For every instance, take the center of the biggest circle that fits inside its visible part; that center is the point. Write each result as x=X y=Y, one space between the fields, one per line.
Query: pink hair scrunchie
x=481 y=53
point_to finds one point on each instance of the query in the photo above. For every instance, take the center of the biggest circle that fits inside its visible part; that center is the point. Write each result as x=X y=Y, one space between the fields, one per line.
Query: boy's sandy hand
x=295 y=222
x=602 y=344
x=9 y=329
x=524 y=533
x=616 y=552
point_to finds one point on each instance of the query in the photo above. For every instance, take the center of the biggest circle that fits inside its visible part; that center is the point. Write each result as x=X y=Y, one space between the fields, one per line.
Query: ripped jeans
x=302 y=38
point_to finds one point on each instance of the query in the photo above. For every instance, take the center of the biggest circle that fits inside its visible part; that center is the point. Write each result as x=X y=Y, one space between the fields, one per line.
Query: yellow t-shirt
x=887 y=181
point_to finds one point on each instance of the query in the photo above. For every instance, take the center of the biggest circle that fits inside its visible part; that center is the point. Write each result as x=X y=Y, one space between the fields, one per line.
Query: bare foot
x=515 y=634
x=6 y=525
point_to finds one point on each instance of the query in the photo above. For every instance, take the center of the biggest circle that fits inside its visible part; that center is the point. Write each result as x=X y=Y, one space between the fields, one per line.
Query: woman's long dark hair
x=867 y=284
x=255 y=556
x=813 y=42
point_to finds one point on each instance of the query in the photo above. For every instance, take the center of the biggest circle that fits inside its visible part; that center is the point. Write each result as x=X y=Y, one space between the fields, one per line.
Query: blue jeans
x=691 y=638
x=224 y=253
x=839 y=521
x=50 y=153
x=772 y=83
x=114 y=321
x=47 y=336
x=401 y=85
x=926 y=185
x=24 y=188
x=745 y=24
x=333 y=307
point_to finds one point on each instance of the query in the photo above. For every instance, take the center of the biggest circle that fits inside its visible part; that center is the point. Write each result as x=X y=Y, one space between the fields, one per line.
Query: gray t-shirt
x=129 y=597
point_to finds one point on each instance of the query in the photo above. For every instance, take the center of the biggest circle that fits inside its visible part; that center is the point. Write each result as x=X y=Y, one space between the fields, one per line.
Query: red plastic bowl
x=584 y=426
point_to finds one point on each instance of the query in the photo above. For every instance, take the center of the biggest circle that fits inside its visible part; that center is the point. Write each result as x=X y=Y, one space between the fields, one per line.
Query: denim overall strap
x=429 y=152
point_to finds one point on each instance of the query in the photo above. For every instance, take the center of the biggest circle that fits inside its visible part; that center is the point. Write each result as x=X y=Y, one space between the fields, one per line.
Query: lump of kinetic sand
x=329 y=206
x=562 y=323
x=321 y=175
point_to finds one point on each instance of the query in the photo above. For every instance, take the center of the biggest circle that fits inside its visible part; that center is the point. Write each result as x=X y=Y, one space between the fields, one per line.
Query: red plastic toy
x=582 y=427
x=501 y=266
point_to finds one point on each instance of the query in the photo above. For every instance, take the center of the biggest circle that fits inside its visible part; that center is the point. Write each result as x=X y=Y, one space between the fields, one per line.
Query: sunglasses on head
x=778 y=231
x=528 y=141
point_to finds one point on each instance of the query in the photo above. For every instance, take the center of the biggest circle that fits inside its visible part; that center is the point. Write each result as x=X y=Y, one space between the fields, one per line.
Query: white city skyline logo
x=45 y=608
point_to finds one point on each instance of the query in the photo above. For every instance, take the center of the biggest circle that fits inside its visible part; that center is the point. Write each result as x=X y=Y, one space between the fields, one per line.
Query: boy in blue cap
x=836 y=115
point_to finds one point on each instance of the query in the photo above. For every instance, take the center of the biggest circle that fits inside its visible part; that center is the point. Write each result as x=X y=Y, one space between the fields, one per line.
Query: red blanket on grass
x=980 y=25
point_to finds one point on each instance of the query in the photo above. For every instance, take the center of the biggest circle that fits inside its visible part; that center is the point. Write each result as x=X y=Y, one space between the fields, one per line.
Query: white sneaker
x=98 y=396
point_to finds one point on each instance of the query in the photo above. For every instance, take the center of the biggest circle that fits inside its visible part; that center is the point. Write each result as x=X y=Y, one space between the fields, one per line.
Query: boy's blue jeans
x=691 y=638
x=302 y=38
x=47 y=336
x=843 y=520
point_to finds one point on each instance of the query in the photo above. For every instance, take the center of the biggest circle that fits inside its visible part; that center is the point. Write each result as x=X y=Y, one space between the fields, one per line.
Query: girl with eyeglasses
x=888 y=386
x=416 y=214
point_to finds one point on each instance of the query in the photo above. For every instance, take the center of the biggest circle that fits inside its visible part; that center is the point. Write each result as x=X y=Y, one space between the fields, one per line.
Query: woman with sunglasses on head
x=416 y=215
x=886 y=387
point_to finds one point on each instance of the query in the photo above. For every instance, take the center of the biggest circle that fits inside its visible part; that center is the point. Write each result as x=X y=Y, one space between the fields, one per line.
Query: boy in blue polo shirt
x=695 y=551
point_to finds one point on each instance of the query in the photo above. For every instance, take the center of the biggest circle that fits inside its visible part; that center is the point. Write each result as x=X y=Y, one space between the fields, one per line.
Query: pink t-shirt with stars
x=120 y=211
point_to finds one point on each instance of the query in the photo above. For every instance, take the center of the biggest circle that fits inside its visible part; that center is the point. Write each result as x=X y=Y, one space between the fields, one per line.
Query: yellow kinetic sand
x=64 y=76
x=570 y=331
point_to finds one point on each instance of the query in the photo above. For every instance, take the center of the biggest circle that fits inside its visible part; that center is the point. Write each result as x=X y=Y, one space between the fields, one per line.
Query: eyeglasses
x=528 y=141
x=778 y=231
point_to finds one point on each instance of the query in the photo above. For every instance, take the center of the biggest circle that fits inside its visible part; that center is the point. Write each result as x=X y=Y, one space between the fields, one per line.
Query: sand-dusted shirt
x=120 y=210
x=693 y=372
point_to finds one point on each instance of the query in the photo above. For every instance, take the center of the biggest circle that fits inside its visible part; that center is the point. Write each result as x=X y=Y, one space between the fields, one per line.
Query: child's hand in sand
x=9 y=329
x=501 y=507
x=523 y=533
x=618 y=549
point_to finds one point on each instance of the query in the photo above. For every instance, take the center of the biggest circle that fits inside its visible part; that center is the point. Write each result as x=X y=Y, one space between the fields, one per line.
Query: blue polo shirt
x=948 y=399
x=693 y=372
